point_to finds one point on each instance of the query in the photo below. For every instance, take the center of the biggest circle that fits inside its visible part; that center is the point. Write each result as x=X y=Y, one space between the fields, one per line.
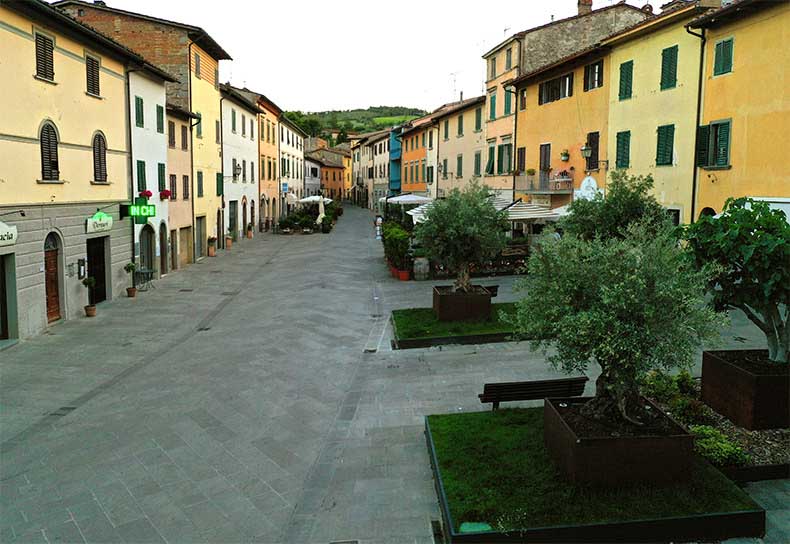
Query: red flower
x=146 y=194
x=165 y=194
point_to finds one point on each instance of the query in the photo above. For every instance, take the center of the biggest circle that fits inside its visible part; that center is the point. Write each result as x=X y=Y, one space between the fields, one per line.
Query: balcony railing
x=544 y=183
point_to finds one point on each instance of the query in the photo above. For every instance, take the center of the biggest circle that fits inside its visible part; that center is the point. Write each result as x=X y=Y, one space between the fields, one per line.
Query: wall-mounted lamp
x=20 y=212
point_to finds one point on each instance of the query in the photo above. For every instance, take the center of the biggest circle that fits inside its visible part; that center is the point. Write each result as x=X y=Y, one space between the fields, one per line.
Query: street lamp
x=586 y=151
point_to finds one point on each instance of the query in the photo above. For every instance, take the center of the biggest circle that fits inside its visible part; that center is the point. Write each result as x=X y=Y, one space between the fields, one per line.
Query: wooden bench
x=540 y=389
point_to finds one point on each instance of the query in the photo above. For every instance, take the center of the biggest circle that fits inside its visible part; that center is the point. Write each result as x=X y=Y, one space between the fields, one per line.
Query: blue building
x=395 y=156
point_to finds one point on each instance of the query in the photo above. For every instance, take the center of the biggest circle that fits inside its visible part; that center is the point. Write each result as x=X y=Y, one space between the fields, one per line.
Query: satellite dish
x=589 y=189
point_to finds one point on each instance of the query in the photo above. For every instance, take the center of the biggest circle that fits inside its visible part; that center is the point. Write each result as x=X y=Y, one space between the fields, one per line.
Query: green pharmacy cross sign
x=140 y=211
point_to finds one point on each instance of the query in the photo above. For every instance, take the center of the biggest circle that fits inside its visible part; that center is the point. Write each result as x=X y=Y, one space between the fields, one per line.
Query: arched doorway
x=162 y=249
x=52 y=276
x=243 y=216
x=274 y=209
x=147 y=245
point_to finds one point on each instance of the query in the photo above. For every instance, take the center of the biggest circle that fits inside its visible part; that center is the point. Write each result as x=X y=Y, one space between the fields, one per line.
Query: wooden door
x=162 y=250
x=52 y=284
x=545 y=163
x=96 y=269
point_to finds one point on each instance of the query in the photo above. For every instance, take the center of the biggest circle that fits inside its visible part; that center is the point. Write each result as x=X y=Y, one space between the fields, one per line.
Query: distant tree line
x=321 y=124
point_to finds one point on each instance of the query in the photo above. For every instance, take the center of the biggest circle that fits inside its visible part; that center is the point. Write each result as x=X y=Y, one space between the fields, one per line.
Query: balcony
x=545 y=183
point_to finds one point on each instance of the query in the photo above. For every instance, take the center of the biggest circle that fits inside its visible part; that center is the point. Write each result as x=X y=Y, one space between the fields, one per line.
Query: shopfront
x=8 y=325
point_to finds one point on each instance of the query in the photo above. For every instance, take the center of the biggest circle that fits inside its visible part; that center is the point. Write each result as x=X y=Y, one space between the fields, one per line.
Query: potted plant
x=326 y=225
x=629 y=304
x=229 y=237
x=90 y=283
x=460 y=231
x=249 y=230
x=212 y=246
x=750 y=243
x=130 y=268
x=565 y=155
x=306 y=223
x=146 y=194
x=164 y=194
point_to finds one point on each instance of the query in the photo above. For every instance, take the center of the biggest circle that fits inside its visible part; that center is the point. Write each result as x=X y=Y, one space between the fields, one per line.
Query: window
x=160 y=119
x=669 y=67
x=430 y=139
x=722 y=57
x=233 y=120
x=713 y=145
x=199 y=184
x=173 y=187
x=593 y=142
x=422 y=169
x=171 y=133
x=197 y=70
x=626 y=80
x=444 y=168
x=219 y=184
x=504 y=158
x=199 y=124
x=508 y=102
x=141 y=182
x=521 y=159
x=490 y=161
x=593 y=76
x=139 y=114
x=243 y=125
x=216 y=78
x=161 y=174
x=244 y=171
x=665 y=145
x=429 y=174
x=492 y=68
x=252 y=129
x=184 y=137
x=623 y=151
x=461 y=125
x=522 y=99
x=459 y=166
x=555 y=89
x=217 y=132
x=45 y=64
x=492 y=106
x=446 y=129
x=92 y=75
x=233 y=171
x=478 y=119
x=509 y=59
x=478 y=160
x=99 y=159
x=252 y=171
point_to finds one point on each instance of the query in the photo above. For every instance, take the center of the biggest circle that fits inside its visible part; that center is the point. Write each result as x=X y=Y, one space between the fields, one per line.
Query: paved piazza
x=251 y=397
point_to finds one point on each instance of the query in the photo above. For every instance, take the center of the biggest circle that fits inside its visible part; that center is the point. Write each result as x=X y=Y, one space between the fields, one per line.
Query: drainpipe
x=131 y=158
x=222 y=163
x=694 y=176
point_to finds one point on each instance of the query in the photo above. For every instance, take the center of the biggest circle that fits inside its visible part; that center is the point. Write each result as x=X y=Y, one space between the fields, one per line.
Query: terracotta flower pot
x=212 y=251
x=228 y=242
x=90 y=310
x=131 y=292
x=403 y=275
x=249 y=234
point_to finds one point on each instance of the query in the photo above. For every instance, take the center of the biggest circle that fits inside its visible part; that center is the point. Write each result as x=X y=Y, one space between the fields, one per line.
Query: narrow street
x=251 y=397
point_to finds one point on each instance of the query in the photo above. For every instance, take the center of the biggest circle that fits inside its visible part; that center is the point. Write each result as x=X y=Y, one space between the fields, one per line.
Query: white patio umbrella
x=321 y=210
x=406 y=199
x=314 y=199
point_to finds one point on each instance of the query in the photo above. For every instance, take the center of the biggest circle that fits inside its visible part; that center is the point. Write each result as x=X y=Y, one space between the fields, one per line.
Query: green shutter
x=722 y=62
x=478 y=119
x=703 y=137
x=626 y=79
x=669 y=67
x=623 y=159
x=141 y=176
x=477 y=163
x=492 y=107
x=199 y=124
x=160 y=119
x=139 y=118
x=200 y=183
x=233 y=120
x=161 y=171
x=459 y=168
x=508 y=98
x=490 y=161
x=219 y=184
x=665 y=145
x=500 y=158
x=723 y=144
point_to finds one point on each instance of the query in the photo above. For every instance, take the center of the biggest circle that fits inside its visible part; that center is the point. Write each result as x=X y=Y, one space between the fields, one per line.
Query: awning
x=314 y=199
x=406 y=199
x=290 y=198
x=516 y=211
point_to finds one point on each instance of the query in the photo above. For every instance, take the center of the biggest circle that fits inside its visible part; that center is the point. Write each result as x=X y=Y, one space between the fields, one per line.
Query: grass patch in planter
x=495 y=470
x=418 y=323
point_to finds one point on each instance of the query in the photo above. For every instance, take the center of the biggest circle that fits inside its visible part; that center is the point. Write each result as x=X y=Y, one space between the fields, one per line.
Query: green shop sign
x=140 y=211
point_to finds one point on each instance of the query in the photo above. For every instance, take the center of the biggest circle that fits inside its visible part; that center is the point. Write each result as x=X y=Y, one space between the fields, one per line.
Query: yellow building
x=562 y=108
x=64 y=167
x=745 y=105
x=192 y=55
x=653 y=95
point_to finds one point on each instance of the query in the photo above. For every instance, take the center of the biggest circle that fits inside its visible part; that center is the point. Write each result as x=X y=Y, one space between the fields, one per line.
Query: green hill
x=358 y=120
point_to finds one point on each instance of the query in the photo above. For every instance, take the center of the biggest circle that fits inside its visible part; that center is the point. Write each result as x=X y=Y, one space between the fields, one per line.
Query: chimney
x=462 y=97
x=585 y=6
x=647 y=8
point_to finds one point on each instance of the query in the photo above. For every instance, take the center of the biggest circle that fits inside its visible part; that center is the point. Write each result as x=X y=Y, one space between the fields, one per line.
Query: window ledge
x=94 y=182
x=44 y=80
x=663 y=165
x=96 y=96
x=727 y=167
x=50 y=181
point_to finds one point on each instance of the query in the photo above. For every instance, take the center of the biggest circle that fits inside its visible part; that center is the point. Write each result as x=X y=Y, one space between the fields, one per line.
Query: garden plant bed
x=419 y=328
x=452 y=305
x=494 y=476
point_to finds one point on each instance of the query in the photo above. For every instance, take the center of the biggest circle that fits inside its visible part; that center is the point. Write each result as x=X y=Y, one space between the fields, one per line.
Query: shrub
x=659 y=386
x=463 y=230
x=714 y=446
x=751 y=244
x=631 y=304
x=396 y=245
x=689 y=410
x=306 y=222
x=686 y=384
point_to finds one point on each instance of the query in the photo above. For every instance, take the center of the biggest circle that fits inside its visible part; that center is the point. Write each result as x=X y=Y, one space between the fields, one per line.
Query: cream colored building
x=461 y=144
x=179 y=174
x=64 y=167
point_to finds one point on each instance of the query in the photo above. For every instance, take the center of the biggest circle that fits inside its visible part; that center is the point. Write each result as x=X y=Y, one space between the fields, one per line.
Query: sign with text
x=285 y=187
x=8 y=234
x=98 y=222
x=140 y=211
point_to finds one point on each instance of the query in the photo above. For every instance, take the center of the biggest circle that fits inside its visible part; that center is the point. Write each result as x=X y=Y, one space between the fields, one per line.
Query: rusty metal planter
x=451 y=305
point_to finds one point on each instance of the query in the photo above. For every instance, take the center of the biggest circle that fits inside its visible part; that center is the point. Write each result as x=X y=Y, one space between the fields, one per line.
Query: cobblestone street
x=251 y=397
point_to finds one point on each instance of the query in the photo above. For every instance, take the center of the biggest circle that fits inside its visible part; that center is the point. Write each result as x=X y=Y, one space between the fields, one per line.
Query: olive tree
x=629 y=304
x=751 y=244
x=463 y=229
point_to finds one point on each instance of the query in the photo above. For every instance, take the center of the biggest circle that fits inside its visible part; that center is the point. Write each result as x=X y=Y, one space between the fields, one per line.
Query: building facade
x=380 y=145
x=462 y=142
x=291 y=163
x=64 y=162
x=395 y=161
x=416 y=139
x=312 y=174
x=745 y=105
x=179 y=174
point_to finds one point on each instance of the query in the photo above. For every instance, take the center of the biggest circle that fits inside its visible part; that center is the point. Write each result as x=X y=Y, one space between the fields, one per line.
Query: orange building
x=416 y=139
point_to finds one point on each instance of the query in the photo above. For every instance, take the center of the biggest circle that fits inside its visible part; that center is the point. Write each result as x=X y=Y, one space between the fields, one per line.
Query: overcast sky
x=315 y=55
